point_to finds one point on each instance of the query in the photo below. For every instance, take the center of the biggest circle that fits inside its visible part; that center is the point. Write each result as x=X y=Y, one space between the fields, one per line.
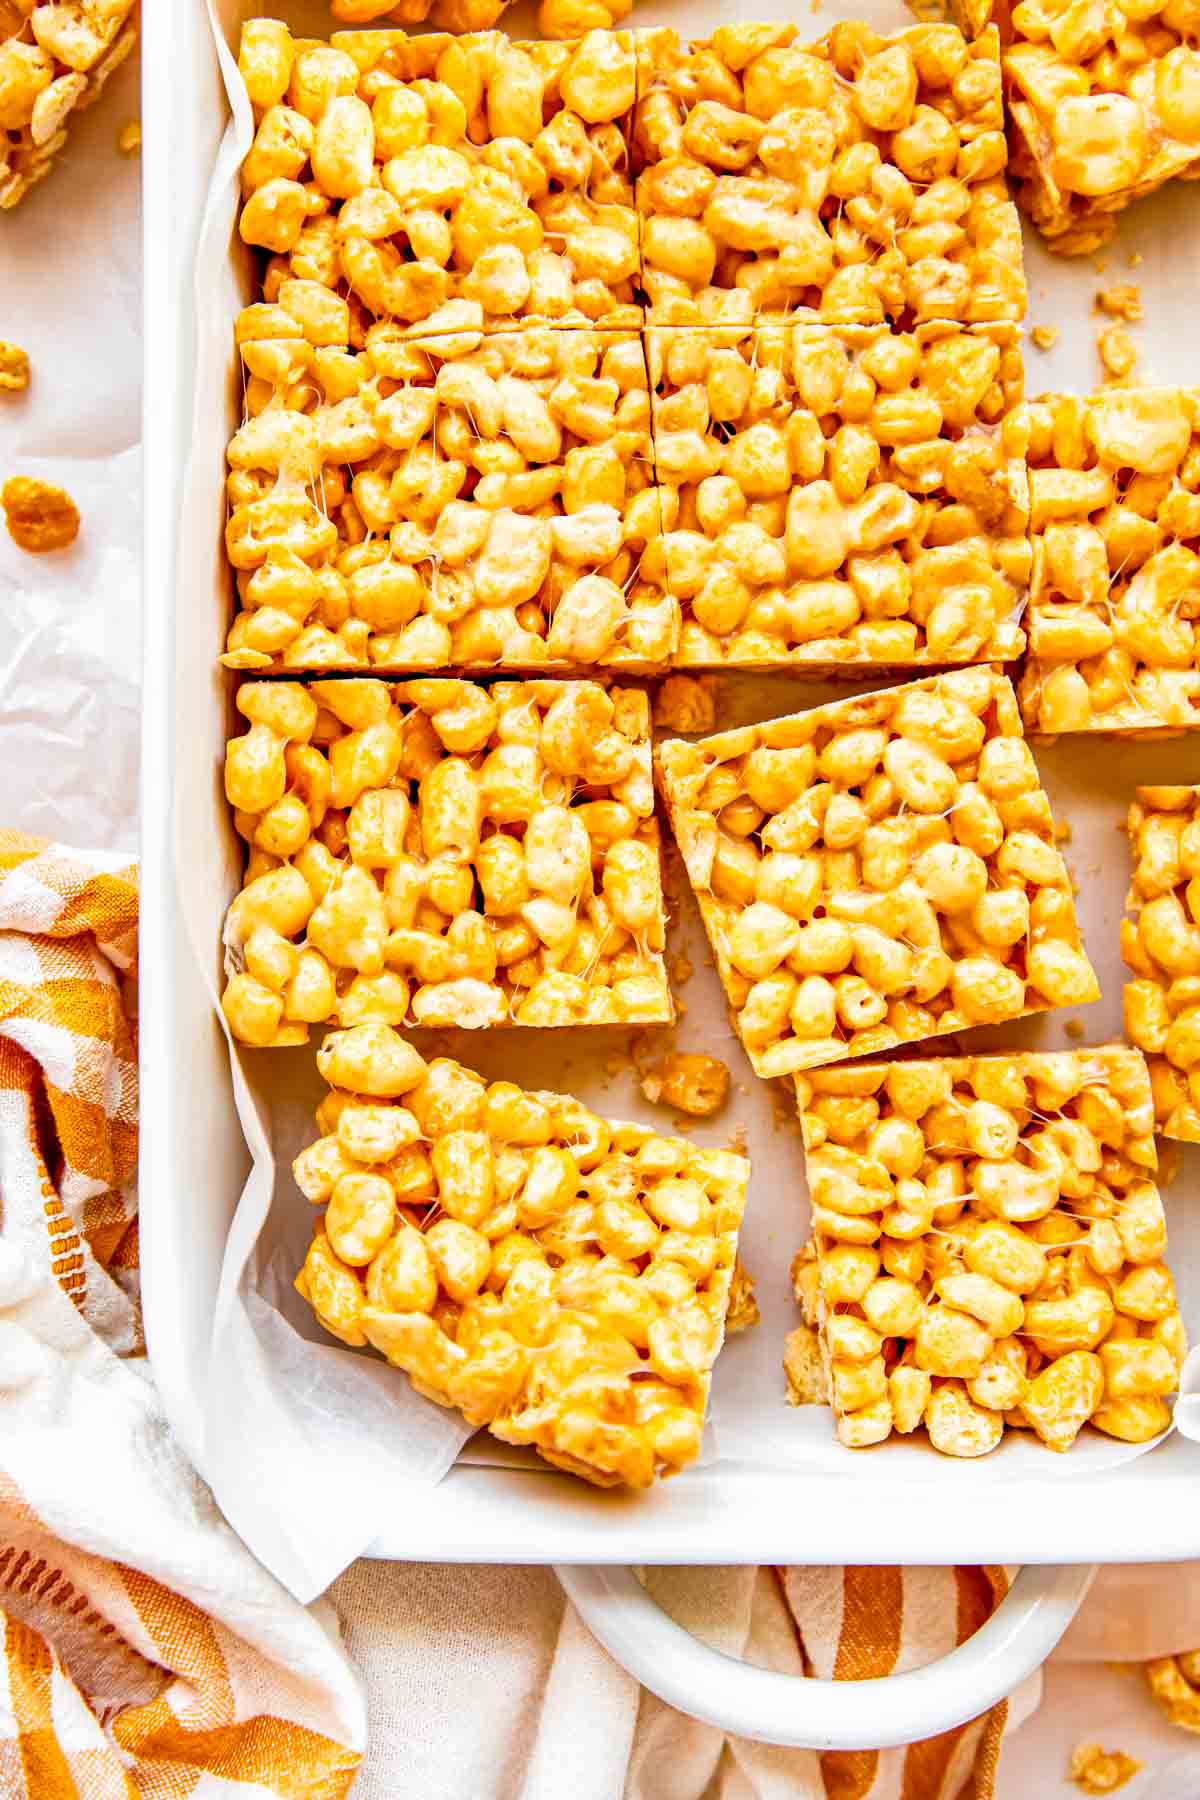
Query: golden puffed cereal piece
x=1122 y=301
x=855 y=180
x=987 y=1249
x=560 y=1278
x=55 y=57
x=438 y=853
x=742 y=1313
x=877 y=871
x=435 y=177
x=448 y=15
x=1117 y=352
x=1175 y=1684
x=689 y=1081
x=463 y=501
x=1161 y=946
x=129 y=138
x=572 y=18
x=1044 y=336
x=1095 y=1770
x=686 y=703
x=804 y=1369
x=14 y=367
x=841 y=495
x=1114 y=484
x=39 y=516
x=1103 y=108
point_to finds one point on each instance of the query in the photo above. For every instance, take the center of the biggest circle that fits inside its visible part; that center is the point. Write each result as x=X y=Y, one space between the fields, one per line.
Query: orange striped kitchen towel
x=143 y=1651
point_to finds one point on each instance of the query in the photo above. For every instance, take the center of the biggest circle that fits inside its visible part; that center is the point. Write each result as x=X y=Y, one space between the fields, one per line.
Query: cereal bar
x=557 y=1277
x=856 y=179
x=481 y=503
x=438 y=853
x=877 y=871
x=1103 y=107
x=1114 y=484
x=841 y=494
x=55 y=57
x=1161 y=945
x=987 y=1249
x=444 y=181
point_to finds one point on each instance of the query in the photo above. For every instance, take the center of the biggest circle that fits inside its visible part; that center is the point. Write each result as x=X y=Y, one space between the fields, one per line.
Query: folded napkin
x=143 y=1651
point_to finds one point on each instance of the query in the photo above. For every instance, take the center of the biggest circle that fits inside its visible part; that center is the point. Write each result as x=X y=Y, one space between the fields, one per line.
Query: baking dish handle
x=773 y=1708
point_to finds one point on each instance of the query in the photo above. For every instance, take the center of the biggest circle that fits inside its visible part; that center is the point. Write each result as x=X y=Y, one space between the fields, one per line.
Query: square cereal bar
x=557 y=1277
x=841 y=495
x=987 y=1249
x=444 y=181
x=1161 y=945
x=877 y=871
x=462 y=501
x=1114 y=483
x=1103 y=107
x=55 y=57
x=438 y=853
x=856 y=179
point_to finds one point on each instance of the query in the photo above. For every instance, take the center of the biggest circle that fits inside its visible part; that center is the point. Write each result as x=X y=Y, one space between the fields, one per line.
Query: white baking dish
x=899 y=1504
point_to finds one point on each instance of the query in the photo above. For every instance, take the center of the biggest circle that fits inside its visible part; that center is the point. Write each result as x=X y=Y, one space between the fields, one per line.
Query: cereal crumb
x=1118 y=352
x=1174 y=1681
x=682 y=969
x=1124 y=301
x=1044 y=336
x=129 y=138
x=14 y=366
x=686 y=703
x=692 y=1082
x=1074 y=1029
x=807 y=1382
x=39 y=515
x=1135 y=259
x=1099 y=1771
x=742 y=1313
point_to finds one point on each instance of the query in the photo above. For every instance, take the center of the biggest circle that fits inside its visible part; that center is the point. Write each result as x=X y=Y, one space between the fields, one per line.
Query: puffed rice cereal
x=856 y=179
x=435 y=180
x=1175 y=1683
x=438 y=853
x=688 y=1080
x=987 y=1249
x=557 y=1277
x=1114 y=484
x=14 y=367
x=1095 y=1770
x=877 y=871
x=55 y=57
x=1103 y=107
x=482 y=503
x=841 y=495
x=1161 y=945
x=39 y=515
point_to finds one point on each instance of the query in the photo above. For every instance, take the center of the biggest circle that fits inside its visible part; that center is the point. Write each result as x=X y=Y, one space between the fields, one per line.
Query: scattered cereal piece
x=1099 y=1771
x=129 y=138
x=1161 y=946
x=836 y=854
x=690 y=1081
x=1124 y=301
x=1075 y=1029
x=39 y=515
x=14 y=366
x=807 y=1380
x=972 y=1327
x=682 y=970
x=1136 y=259
x=443 y=854
x=686 y=704
x=1175 y=1684
x=1118 y=352
x=743 y=1313
x=561 y=1278
x=1044 y=336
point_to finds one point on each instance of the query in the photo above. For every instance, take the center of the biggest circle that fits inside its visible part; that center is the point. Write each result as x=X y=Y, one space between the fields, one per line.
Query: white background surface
x=69 y=274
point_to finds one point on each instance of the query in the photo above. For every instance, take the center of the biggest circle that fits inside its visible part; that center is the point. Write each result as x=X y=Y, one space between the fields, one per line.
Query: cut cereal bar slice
x=988 y=1243
x=557 y=1277
x=454 y=501
x=438 y=853
x=856 y=179
x=1161 y=945
x=1114 y=484
x=1103 y=107
x=840 y=495
x=877 y=871
x=445 y=181
x=55 y=57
